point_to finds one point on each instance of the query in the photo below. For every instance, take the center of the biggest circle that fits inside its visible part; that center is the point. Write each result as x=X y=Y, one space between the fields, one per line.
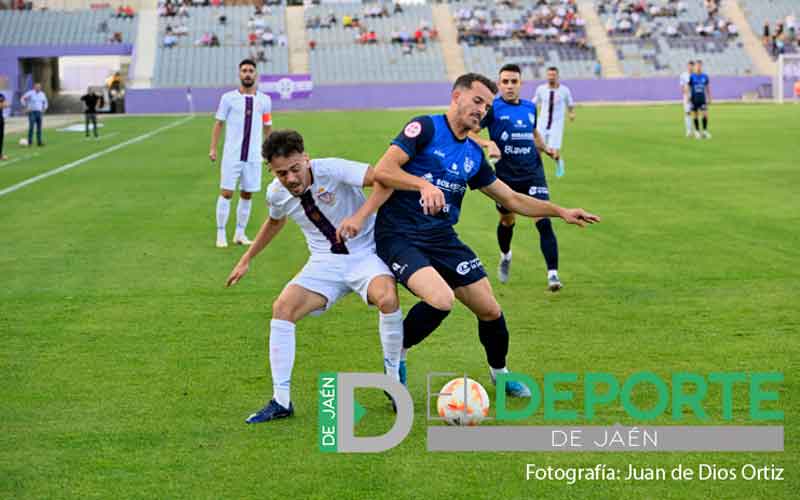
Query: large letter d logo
x=337 y=412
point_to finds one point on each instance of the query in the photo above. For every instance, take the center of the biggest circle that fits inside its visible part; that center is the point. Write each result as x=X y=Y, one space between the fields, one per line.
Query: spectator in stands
x=3 y=106
x=204 y=40
x=115 y=37
x=312 y=44
x=102 y=27
x=267 y=38
x=766 y=38
x=398 y=9
x=283 y=41
x=598 y=69
x=214 y=41
x=252 y=38
x=35 y=101
x=170 y=40
x=222 y=19
x=181 y=30
x=347 y=21
x=183 y=11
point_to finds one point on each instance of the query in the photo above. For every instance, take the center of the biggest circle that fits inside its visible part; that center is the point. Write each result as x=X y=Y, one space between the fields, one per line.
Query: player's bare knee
x=508 y=219
x=491 y=313
x=226 y=193
x=281 y=309
x=388 y=302
x=441 y=299
x=245 y=195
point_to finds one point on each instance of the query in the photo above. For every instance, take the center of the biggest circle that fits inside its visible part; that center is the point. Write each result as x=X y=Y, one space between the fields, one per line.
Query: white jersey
x=334 y=194
x=552 y=105
x=684 y=79
x=244 y=117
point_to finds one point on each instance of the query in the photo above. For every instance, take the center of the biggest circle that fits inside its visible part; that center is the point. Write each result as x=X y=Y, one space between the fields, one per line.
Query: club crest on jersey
x=326 y=196
x=468 y=164
x=504 y=136
x=413 y=129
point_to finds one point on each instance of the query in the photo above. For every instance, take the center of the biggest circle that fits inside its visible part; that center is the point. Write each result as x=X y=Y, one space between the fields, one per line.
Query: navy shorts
x=699 y=104
x=452 y=259
x=534 y=187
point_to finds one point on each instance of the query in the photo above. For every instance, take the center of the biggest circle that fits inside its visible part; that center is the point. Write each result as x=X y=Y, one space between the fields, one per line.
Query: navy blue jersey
x=511 y=127
x=698 y=83
x=445 y=161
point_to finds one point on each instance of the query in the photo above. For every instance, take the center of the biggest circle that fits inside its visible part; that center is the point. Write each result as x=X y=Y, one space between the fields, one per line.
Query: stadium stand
x=534 y=35
x=782 y=33
x=659 y=37
x=46 y=27
x=373 y=43
x=205 y=46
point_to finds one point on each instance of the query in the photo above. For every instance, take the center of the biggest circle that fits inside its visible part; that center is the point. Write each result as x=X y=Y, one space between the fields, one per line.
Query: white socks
x=688 y=121
x=242 y=215
x=223 y=210
x=505 y=256
x=390 y=327
x=551 y=273
x=281 y=358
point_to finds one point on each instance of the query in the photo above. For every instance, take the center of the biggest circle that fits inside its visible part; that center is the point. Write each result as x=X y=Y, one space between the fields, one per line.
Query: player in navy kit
x=430 y=165
x=700 y=92
x=514 y=140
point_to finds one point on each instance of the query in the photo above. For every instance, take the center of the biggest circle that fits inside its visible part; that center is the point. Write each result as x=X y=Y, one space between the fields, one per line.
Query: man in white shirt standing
x=553 y=100
x=36 y=102
x=687 y=102
x=325 y=198
x=247 y=114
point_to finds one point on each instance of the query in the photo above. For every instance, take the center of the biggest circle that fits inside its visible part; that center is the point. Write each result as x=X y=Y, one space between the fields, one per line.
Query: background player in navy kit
x=700 y=91
x=516 y=142
x=430 y=164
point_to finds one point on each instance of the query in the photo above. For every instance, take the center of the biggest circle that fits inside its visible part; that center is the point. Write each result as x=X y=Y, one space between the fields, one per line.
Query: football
x=23 y=142
x=461 y=404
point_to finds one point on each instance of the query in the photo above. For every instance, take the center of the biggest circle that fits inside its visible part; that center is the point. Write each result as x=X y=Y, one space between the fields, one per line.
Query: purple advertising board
x=286 y=87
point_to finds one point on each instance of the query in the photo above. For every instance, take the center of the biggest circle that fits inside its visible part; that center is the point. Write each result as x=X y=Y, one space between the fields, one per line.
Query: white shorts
x=334 y=276
x=687 y=106
x=552 y=138
x=248 y=173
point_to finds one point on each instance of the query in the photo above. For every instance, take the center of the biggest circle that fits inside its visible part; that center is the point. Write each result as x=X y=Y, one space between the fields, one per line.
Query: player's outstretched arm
x=215 y=133
x=531 y=207
x=268 y=231
x=389 y=172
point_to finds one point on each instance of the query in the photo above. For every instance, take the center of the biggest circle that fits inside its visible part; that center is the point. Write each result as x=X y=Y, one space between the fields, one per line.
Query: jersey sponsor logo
x=515 y=150
x=504 y=136
x=454 y=167
x=522 y=136
x=450 y=186
x=413 y=129
x=534 y=190
x=445 y=208
x=428 y=177
x=466 y=266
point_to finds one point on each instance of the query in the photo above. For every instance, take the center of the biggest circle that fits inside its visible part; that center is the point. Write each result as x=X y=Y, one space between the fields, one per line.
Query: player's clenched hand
x=212 y=155
x=432 y=199
x=494 y=151
x=578 y=216
x=349 y=228
x=238 y=273
x=552 y=153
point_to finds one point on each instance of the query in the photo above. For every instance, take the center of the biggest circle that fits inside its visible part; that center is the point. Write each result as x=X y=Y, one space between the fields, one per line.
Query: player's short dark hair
x=514 y=68
x=465 y=82
x=691 y=63
x=283 y=143
x=247 y=62
x=552 y=68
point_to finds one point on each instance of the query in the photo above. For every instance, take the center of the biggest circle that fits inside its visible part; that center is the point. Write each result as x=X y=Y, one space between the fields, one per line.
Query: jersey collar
x=455 y=137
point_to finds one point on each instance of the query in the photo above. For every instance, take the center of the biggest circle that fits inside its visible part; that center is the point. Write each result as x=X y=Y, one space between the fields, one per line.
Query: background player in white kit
x=553 y=101
x=247 y=114
x=687 y=102
x=319 y=195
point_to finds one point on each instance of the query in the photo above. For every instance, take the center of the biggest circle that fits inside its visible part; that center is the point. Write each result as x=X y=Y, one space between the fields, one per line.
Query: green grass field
x=128 y=368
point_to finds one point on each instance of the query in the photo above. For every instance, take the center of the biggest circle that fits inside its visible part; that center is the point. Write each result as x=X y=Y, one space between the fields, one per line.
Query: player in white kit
x=247 y=115
x=553 y=101
x=687 y=102
x=321 y=196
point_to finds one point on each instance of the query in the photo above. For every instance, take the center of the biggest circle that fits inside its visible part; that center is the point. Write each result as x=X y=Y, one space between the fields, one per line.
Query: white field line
x=92 y=156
